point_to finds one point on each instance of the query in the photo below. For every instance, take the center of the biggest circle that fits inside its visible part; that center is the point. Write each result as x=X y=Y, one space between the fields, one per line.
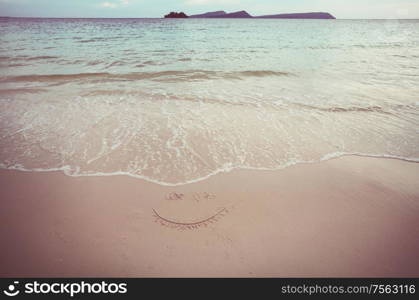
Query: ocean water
x=176 y=101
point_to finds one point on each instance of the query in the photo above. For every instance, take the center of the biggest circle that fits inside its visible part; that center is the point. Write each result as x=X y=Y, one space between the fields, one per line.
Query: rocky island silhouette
x=176 y=15
x=245 y=15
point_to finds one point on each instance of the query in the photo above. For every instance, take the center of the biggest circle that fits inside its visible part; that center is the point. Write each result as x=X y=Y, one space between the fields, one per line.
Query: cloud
x=109 y=4
x=211 y=2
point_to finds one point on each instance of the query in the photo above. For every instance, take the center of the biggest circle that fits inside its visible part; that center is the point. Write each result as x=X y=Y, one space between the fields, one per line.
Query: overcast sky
x=356 y=9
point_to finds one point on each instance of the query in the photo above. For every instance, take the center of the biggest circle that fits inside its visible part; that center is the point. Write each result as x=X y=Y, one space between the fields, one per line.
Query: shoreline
x=324 y=158
x=345 y=217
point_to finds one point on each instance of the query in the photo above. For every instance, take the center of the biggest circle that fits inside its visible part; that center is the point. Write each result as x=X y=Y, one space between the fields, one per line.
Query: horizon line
x=22 y=17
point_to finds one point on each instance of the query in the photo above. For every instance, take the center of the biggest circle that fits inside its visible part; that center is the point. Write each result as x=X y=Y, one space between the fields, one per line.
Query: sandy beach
x=133 y=145
x=351 y=216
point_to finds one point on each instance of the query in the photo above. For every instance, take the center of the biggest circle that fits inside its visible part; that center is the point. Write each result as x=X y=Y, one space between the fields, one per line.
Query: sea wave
x=172 y=140
x=168 y=76
x=340 y=109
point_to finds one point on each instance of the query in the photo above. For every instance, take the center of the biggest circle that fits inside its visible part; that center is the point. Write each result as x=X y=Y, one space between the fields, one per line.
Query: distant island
x=245 y=15
x=176 y=15
x=238 y=14
x=311 y=15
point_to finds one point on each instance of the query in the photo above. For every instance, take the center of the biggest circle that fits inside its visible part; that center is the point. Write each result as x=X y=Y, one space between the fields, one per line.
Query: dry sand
x=352 y=216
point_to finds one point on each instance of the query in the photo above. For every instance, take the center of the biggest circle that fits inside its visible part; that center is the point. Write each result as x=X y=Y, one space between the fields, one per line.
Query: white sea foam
x=175 y=140
x=69 y=171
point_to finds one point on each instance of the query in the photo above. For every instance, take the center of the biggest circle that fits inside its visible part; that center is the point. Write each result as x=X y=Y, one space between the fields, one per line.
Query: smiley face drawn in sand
x=189 y=225
x=198 y=196
x=196 y=199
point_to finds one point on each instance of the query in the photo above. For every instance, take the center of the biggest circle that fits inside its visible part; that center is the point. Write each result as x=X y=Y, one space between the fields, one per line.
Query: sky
x=342 y=9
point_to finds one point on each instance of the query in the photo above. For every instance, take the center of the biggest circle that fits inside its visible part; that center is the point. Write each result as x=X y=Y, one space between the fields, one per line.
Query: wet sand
x=352 y=216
